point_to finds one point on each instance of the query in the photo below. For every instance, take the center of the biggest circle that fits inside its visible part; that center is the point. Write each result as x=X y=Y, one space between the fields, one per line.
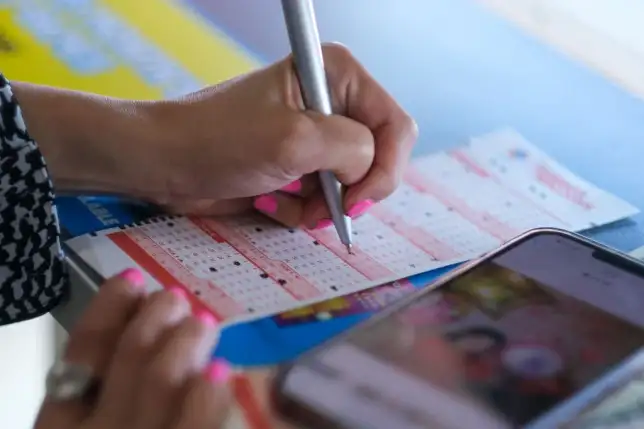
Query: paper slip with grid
x=451 y=206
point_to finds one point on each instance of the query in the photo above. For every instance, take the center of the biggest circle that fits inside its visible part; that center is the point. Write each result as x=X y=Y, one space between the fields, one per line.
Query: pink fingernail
x=293 y=187
x=218 y=372
x=359 y=208
x=266 y=204
x=133 y=276
x=324 y=223
x=178 y=292
x=206 y=318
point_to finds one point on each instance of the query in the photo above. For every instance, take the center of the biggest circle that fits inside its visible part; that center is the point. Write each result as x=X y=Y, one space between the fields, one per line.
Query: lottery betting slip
x=451 y=206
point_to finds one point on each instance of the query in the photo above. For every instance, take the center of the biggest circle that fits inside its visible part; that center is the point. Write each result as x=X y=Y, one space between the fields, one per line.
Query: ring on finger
x=69 y=381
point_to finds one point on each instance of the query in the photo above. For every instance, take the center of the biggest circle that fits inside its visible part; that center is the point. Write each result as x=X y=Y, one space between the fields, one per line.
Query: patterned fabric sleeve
x=32 y=275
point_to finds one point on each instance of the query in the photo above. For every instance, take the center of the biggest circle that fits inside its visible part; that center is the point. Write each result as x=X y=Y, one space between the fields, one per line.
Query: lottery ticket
x=367 y=301
x=450 y=207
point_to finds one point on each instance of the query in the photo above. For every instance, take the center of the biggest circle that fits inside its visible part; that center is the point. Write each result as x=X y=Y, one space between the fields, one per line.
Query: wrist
x=93 y=143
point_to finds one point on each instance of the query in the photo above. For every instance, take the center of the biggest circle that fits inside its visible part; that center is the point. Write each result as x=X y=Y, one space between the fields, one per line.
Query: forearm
x=92 y=143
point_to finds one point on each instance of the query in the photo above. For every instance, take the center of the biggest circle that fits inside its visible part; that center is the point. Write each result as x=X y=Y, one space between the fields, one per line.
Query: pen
x=309 y=65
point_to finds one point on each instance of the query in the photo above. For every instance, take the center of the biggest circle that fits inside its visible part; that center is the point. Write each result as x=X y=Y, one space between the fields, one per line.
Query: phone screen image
x=514 y=338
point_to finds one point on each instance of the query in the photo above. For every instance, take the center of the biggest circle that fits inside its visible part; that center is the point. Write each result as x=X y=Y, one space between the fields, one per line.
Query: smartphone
x=527 y=336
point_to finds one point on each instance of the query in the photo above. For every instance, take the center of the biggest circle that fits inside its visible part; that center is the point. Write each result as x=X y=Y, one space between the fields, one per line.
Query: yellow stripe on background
x=33 y=61
x=207 y=54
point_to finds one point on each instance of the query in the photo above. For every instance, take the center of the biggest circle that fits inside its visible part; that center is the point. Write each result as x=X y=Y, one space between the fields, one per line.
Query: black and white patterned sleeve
x=32 y=275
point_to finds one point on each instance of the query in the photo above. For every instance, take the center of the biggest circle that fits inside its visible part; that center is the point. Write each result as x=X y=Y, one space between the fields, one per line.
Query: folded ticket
x=451 y=206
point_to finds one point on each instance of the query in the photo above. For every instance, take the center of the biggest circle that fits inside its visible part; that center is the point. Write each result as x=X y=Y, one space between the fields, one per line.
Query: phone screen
x=512 y=340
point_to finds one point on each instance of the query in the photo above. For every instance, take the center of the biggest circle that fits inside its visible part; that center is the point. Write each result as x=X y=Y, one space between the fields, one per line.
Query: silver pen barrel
x=309 y=65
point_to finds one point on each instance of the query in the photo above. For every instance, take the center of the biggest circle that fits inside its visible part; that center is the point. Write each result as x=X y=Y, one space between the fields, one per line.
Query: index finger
x=357 y=95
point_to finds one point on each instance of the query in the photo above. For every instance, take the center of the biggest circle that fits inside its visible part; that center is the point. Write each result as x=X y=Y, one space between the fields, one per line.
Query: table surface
x=460 y=71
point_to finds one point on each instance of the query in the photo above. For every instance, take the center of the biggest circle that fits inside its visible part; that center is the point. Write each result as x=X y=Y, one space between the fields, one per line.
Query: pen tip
x=350 y=249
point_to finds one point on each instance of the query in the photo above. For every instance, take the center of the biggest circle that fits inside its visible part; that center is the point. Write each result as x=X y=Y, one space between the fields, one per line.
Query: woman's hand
x=250 y=136
x=152 y=360
x=244 y=142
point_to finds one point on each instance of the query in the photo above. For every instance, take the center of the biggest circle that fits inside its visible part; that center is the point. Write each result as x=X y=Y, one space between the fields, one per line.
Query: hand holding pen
x=309 y=65
x=242 y=143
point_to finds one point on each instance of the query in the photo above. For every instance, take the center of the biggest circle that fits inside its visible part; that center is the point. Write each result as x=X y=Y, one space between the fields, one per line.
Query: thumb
x=344 y=147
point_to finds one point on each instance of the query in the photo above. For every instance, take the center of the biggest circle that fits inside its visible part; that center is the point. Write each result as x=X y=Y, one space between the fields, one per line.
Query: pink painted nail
x=324 y=223
x=293 y=187
x=206 y=318
x=178 y=292
x=218 y=372
x=266 y=204
x=133 y=276
x=359 y=208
